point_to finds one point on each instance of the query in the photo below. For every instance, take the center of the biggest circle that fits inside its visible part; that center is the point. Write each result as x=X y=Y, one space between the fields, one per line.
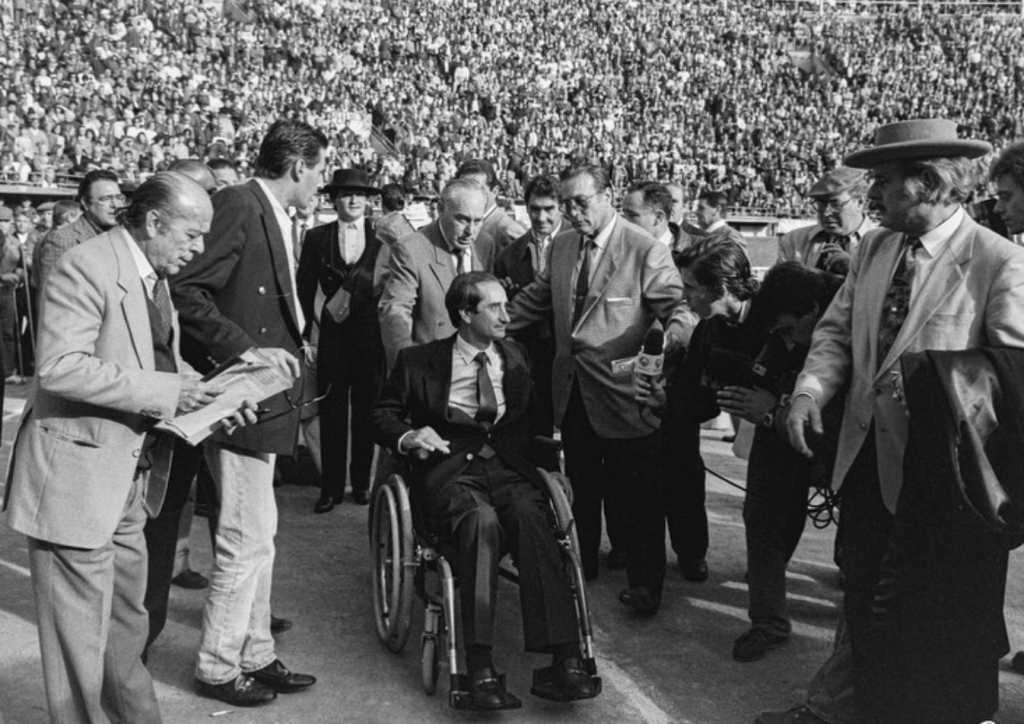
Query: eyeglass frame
x=578 y=204
x=832 y=205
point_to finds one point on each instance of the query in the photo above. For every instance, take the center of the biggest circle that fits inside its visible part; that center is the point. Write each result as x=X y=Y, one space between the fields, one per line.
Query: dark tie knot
x=482 y=359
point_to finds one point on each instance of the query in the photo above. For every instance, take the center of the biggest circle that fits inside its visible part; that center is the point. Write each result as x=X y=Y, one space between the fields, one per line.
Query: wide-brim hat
x=353 y=179
x=920 y=138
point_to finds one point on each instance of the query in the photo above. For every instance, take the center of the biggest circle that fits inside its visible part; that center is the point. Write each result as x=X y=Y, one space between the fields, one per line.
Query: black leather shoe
x=754 y=644
x=277 y=676
x=324 y=505
x=361 y=497
x=642 y=599
x=1017 y=662
x=574 y=681
x=617 y=559
x=695 y=571
x=191 y=580
x=486 y=691
x=243 y=690
x=279 y=625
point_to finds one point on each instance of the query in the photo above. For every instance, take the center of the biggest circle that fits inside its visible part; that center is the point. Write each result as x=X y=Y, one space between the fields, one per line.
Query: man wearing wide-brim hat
x=838 y=198
x=340 y=280
x=931 y=279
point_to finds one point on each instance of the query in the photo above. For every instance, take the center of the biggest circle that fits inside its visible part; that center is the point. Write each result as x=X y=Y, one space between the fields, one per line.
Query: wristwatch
x=769 y=418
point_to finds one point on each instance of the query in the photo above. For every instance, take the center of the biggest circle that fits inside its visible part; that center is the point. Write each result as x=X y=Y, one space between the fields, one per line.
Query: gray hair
x=940 y=180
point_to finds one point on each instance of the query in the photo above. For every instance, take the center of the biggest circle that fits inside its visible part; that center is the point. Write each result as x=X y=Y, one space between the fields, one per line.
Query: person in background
x=712 y=209
x=392 y=225
x=498 y=229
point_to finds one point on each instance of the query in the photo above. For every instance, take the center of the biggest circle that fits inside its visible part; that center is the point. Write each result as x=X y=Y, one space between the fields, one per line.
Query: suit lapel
x=278 y=253
x=441 y=266
x=134 y=305
x=605 y=271
x=514 y=382
x=945 y=274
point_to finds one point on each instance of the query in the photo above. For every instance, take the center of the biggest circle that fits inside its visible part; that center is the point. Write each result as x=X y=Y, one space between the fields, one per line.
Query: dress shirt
x=932 y=244
x=463 y=392
x=600 y=242
x=146 y=270
x=466 y=254
x=540 y=247
x=715 y=226
x=666 y=239
x=284 y=223
x=351 y=240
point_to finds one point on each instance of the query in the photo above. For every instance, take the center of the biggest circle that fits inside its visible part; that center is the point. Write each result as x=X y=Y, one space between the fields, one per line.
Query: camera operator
x=790 y=302
x=718 y=286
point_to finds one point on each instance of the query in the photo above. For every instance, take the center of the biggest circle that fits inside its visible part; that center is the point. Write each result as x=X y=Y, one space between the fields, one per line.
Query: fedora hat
x=920 y=138
x=353 y=179
x=836 y=181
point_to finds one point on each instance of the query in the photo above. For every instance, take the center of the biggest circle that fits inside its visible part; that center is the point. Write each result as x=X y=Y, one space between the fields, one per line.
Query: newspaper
x=246 y=376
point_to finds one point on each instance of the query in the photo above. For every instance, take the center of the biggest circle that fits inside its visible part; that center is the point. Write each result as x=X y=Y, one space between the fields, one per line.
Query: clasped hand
x=422 y=442
x=751 y=404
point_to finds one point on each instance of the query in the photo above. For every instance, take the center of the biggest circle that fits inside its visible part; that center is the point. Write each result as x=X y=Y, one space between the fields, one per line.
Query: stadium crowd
x=755 y=100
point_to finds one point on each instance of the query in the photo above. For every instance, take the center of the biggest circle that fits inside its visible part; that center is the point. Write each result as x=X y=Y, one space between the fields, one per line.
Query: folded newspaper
x=250 y=375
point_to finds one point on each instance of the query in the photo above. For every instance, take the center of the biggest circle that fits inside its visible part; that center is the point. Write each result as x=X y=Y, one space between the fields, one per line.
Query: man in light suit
x=838 y=198
x=932 y=279
x=241 y=293
x=108 y=369
x=498 y=229
x=423 y=265
x=606 y=282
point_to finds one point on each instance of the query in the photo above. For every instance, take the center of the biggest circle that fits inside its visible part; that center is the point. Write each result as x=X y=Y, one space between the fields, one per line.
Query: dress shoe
x=796 y=715
x=695 y=571
x=277 y=676
x=324 y=505
x=754 y=644
x=279 y=625
x=1017 y=662
x=642 y=599
x=361 y=497
x=486 y=691
x=191 y=580
x=617 y=559
x=241 y=691
x=574 y=681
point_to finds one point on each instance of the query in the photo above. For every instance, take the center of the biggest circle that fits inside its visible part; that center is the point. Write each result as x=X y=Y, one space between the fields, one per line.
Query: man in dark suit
x=606 y=282
x=498 y=228
x=239 y=294
x=517 y=266
x=339 y=291
x=422 y=266
x=458 y=408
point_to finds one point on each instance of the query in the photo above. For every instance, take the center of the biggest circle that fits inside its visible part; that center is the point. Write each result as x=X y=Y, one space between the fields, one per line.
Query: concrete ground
x=673 y=669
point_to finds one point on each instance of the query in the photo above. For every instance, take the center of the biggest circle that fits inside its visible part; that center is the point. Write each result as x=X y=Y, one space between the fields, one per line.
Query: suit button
x=863 y=426
x=136 y=452
x=261 y=291
x=469 y=456
x=263 y=330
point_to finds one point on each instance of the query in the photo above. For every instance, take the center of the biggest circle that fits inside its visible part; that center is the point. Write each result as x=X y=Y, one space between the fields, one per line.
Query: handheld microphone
x=651 y=360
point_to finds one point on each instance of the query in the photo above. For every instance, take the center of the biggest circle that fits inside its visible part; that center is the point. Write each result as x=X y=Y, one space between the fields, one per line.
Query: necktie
x=162 y=302
x=460 y=262
x=583 y=280
x=897 y=299
x=487 y=401
x=298 y=232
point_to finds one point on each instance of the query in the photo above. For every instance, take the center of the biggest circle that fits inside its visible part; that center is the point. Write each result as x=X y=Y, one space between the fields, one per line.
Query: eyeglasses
x=579 y=204
x=110 y=200
x=832 y=204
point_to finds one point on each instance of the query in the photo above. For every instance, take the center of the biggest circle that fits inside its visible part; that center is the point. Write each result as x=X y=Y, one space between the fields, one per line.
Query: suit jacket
x=972 y=297
x=499 y=229
x=420 y=272
x=802 y=246
x=238 y=294
x=416 y=395
x=634 y=283
x=96 y=395
x=58 y=241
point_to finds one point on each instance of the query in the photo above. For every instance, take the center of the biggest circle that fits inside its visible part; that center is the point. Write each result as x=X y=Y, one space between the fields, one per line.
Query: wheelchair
x=408 y=564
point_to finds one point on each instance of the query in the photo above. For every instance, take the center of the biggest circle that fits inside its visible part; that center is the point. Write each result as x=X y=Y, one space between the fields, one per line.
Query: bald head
x=196 y=170
x=168 y=217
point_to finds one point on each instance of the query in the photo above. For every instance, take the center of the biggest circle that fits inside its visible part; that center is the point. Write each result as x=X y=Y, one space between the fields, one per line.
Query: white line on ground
x=21 y=570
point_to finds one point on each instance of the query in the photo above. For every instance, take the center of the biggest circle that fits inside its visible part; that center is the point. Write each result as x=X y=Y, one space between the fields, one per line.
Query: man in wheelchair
x=457 y=409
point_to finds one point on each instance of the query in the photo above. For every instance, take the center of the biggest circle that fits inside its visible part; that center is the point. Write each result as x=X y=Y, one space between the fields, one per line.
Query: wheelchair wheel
x=430 y=664
x=563 y=508
x=393 y=562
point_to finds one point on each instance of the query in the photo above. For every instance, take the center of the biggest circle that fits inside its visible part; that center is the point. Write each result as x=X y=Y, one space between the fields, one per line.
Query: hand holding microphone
x=648 y=369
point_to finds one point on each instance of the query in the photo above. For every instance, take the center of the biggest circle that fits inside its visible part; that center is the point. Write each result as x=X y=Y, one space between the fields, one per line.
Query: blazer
x=238 y=294
x=972 y=297
x=58 y=241
x=416 y=395
x=498 y=229
x=802 y=246
x=634 y=284
x=420 y=271
x=96 y=395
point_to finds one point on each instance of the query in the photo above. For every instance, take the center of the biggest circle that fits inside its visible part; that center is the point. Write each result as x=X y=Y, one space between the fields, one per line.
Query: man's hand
x=803 y=411
x=10 y=280
x=246 y=415
x=420 y=443
x=196 y=394
x=673 y=344
x=511 y=288
x=309 y=351
x=650 y=392
x=750 y=404
x=284 y=360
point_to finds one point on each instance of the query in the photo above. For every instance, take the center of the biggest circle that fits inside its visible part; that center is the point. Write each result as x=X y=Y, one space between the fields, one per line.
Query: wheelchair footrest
x=461 y=698
x=545 y=684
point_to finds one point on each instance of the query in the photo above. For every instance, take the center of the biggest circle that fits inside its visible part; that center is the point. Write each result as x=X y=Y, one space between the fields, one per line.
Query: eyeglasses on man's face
x=833 y=204
x=578 y=204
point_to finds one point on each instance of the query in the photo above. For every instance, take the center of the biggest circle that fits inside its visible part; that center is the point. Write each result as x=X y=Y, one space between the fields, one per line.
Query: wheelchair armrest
x=547 y=444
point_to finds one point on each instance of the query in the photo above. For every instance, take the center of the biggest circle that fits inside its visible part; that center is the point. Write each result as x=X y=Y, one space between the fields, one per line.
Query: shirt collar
x=717 y=225
x=279 y=210
x=934 y=240
x=601 y=240
x=141 y=262
x=666 y=238
x=468 y=352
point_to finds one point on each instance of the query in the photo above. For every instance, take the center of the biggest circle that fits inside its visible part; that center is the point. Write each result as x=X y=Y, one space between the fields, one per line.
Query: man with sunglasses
x=606 y=282
x=100 y=197
x=838 y=198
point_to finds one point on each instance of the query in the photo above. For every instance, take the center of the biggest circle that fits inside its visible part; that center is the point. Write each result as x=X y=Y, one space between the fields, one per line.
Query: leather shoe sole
x=241 y=691
x=276 y=676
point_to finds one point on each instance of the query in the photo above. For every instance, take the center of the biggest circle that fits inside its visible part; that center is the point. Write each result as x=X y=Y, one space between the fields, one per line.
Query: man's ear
x=464 y=315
